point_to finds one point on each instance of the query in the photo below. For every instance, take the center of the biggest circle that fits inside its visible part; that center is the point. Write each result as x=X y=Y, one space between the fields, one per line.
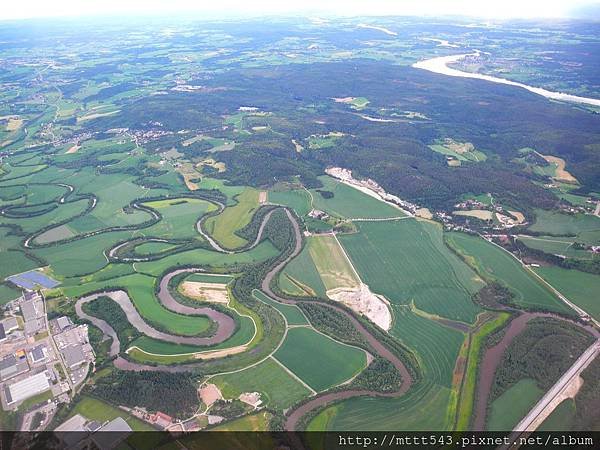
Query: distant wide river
x=440 y=65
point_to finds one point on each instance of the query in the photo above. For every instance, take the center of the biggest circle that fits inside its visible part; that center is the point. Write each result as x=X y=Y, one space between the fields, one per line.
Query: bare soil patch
x=561 y=174
x=209 y=393
x=73 y=149
x=482 y=214
x=206 y=292
x=363 y=301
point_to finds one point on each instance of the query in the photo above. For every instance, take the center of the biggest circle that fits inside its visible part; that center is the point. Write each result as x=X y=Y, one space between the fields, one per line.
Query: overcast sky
x=479 y=8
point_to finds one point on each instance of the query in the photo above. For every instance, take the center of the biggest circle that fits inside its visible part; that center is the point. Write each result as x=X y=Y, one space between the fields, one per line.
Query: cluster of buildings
x=79 y=432
x=40 y=360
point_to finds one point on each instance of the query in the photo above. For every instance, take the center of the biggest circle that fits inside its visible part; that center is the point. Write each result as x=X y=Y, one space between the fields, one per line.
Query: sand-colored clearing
x=458 y=147
x=424 y=213
x=260 y=128
x=14 y=124
x=343 y=99
x=221 y=353
x=189 y=174
x=251 y=398
x=73 y=149
x=299 y=147
x=262 y=197
x=482 y=214
x=97 y=115
x=209 y=393
x=517 y=215
x=363 y=301
x=560 y=174
x=206 y=292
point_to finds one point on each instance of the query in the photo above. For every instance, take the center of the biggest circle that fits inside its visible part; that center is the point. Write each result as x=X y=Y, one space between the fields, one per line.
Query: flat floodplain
x=301 y=276
x=233 y=218
x=581 y=288
x=496 y=264
x=331 y=262
x=407 y=261
x=350 y=202
x=278 y=388
x=318 y=360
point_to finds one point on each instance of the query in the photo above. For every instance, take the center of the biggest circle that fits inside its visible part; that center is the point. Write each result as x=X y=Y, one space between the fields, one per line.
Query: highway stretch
x=530 y=422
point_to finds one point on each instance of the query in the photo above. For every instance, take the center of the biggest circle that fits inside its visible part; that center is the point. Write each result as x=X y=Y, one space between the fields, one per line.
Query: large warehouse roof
x=29 y=387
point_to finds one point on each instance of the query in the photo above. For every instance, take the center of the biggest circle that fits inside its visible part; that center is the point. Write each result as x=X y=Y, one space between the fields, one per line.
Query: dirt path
x=380 y=349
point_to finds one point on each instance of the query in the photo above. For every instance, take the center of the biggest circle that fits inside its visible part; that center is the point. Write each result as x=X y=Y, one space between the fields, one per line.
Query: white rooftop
x=29 y=387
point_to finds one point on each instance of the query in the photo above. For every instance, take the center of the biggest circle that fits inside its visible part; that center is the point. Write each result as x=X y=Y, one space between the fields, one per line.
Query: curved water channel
x=440 y=65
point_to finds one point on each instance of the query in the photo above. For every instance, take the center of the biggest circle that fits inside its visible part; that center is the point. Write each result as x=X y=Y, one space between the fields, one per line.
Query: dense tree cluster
x=380 y=375
x=543 y=352
x=108 y=310
x=172 y=393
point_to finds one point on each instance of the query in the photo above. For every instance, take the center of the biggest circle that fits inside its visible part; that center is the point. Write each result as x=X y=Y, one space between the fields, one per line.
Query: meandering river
x=440 y=65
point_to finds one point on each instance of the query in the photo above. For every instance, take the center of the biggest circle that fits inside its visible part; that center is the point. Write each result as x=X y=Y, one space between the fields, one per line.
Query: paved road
x=527 y=423
x=294 y=417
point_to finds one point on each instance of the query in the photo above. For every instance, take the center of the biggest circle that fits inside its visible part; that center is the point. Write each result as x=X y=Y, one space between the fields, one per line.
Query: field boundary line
x=556 y=292
x=293 y=375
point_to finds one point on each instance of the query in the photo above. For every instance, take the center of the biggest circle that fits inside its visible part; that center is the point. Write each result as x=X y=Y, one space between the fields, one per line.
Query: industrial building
x=26 y=388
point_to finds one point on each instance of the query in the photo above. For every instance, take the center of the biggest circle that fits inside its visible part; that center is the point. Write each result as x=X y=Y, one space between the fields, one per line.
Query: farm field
x=332 y=265
x=293 y=314
x=494 y=263
x=301 y=276
x=223 y=227
x=437 y=281
x=179 y=217
x=207 y=257
x=349 y=202
x=141 y=291
x=506 y=411
x=580 y=287
x=556 y=223
x=561 y=418
x=297 y=199
x=555 y=246
x=254 y=422
x=318 y=360
x=278 y=389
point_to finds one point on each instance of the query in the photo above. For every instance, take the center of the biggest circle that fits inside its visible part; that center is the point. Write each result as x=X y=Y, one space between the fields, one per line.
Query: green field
x=494 y=263
x=406 y=261
x=233 y=218
x=471 y=156
x=555 y=246
x=179 y=217
x=293 y=314
x=318 y=360
x=332 y=264
x=153 y=248
x=253 y=422
x=580 y=287
x=202 y=256
x=581 y=225
x=300 y=276
x=95 y=409
x=209 y=278
x=508 y=409
x=141 y=292
x=474 y=352
x=297 y=199
x=350 y=202
x=423 y=408
x=561 y=419
x=278 y=389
